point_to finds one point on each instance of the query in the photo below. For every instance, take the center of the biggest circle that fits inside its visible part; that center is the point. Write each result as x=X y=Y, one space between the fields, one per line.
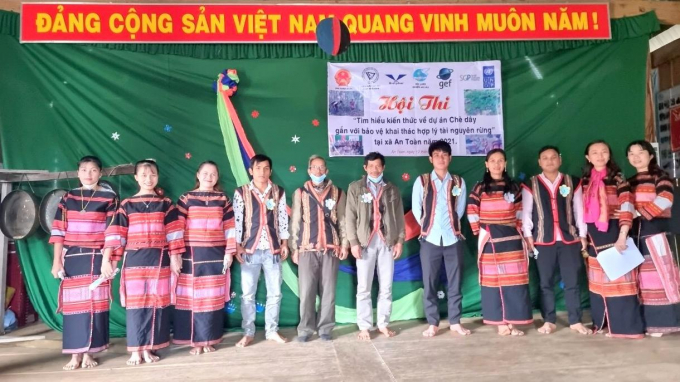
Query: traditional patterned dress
x=613 y=303
x=503 y=264
x=659 y=279
x=207 y=219
x=79 y=225
x=147 y=226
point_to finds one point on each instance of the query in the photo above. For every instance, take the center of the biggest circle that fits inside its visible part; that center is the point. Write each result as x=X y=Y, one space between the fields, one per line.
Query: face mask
x=317 y=179
x=89 y=186
x=376 y=179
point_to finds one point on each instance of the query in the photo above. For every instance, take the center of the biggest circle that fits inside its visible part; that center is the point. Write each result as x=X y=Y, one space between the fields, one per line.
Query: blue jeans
x=250 y=275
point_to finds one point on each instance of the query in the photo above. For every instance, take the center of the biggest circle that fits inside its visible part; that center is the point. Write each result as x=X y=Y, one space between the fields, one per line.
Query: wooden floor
x=484 y=356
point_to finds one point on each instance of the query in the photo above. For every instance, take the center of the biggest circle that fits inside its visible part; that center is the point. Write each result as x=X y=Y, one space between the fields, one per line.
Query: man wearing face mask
x=318 y=243
x=375 y=230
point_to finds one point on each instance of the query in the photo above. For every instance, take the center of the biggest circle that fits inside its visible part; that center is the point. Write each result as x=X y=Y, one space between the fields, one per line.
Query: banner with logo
x=399 y=109
x=296 y=23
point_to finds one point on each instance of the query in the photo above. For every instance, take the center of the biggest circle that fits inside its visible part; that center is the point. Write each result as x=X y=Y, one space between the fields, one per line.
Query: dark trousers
x=567 y=258
x=317 y=276
x=431 y=258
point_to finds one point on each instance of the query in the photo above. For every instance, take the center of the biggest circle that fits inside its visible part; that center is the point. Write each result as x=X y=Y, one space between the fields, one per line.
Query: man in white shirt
x=438 y=203
x=555 y=233
x=261 y=225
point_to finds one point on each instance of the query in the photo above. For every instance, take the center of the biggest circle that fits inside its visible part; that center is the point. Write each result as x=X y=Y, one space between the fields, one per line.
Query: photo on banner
x=399 y=109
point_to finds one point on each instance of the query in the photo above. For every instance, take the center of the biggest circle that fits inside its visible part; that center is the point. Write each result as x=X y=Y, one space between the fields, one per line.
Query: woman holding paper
x=207 y=218
x=659 y=276
x=146 y=225
x=495 y=214
x=78 y=237
x=609 y=215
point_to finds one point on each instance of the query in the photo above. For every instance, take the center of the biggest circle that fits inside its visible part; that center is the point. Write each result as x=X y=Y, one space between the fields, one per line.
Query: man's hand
x=530 y=243
x=584 y=243
x=295 y=257
x=344 y=251
x=356 y=251
x=284 y=253
x=396 y=250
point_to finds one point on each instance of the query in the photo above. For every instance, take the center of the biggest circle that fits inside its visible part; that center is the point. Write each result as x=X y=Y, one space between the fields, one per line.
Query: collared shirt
x=375 y=187
x=576 y=201
x=441 y=232
x=282 y=216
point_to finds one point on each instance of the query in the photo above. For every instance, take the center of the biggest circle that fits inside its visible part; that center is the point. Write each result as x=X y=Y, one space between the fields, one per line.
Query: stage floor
x=483 y=356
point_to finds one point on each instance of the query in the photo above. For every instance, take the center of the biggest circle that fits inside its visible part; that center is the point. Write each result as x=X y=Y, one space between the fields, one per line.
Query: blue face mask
x=376 y=179
x=317 y=179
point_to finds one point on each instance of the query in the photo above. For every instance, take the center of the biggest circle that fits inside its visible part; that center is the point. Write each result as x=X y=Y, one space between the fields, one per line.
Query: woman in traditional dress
x=207 y=219
x=147 y=227
x=659 y=277
x=78 y=237
x=608 y=211
x=495 y=214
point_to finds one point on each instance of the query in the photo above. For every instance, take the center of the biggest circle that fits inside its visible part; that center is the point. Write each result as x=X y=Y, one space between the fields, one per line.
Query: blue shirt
x=441 y=232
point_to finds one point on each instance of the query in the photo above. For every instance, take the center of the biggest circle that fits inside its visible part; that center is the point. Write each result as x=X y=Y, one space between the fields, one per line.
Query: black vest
x=553 y=211
x=257 y=217
x=319 y=229
x=430 y=203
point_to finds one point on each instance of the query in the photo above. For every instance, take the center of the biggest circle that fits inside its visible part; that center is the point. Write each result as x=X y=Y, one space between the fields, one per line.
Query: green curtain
x=59 y=102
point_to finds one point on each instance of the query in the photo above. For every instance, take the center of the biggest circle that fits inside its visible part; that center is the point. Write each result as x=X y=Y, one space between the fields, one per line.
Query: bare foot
x=581 y=329
x=196 y=350
x=208 y=349
x=276 y=337
x=150 y=357
x=656 y=335
x=431 y=331
x=458 y=328
x=364 y=335
x=245 y=341
x=515 y=332
x=504 y=330
x=75 y=363
x=135 y=359
x=547 y=328
x=89 y=361
x=388 y=333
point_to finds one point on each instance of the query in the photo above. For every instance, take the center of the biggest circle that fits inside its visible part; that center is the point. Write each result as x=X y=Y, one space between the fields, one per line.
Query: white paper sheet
x=616 y=264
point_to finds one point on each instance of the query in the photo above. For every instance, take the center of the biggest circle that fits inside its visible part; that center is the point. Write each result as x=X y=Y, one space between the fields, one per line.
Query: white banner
x=399 y=109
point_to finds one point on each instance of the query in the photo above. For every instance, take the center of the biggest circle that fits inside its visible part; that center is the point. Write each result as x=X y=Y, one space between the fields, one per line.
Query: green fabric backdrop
x=60 y=102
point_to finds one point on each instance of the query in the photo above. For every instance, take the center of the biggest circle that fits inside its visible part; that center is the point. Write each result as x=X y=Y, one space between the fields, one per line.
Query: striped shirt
x=82 y=217
x=652 y=195
x=146 y=221
x=207 y=218
x=495 y=207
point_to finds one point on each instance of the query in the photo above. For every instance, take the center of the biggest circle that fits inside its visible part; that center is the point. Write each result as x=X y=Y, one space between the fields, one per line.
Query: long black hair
x=487 y=180
x=653 y=168
x=612 y=168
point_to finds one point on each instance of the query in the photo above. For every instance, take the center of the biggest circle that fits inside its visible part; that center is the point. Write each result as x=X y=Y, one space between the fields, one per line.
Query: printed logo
x=445 y=76
x=444 y=73
x=489 y=77
x=420 y=75
x=343 y=77
x=370 y=75
x=469 y=77
x=395 y=77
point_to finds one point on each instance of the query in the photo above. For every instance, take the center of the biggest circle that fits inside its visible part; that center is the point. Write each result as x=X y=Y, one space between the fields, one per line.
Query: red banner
x=296 y=23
